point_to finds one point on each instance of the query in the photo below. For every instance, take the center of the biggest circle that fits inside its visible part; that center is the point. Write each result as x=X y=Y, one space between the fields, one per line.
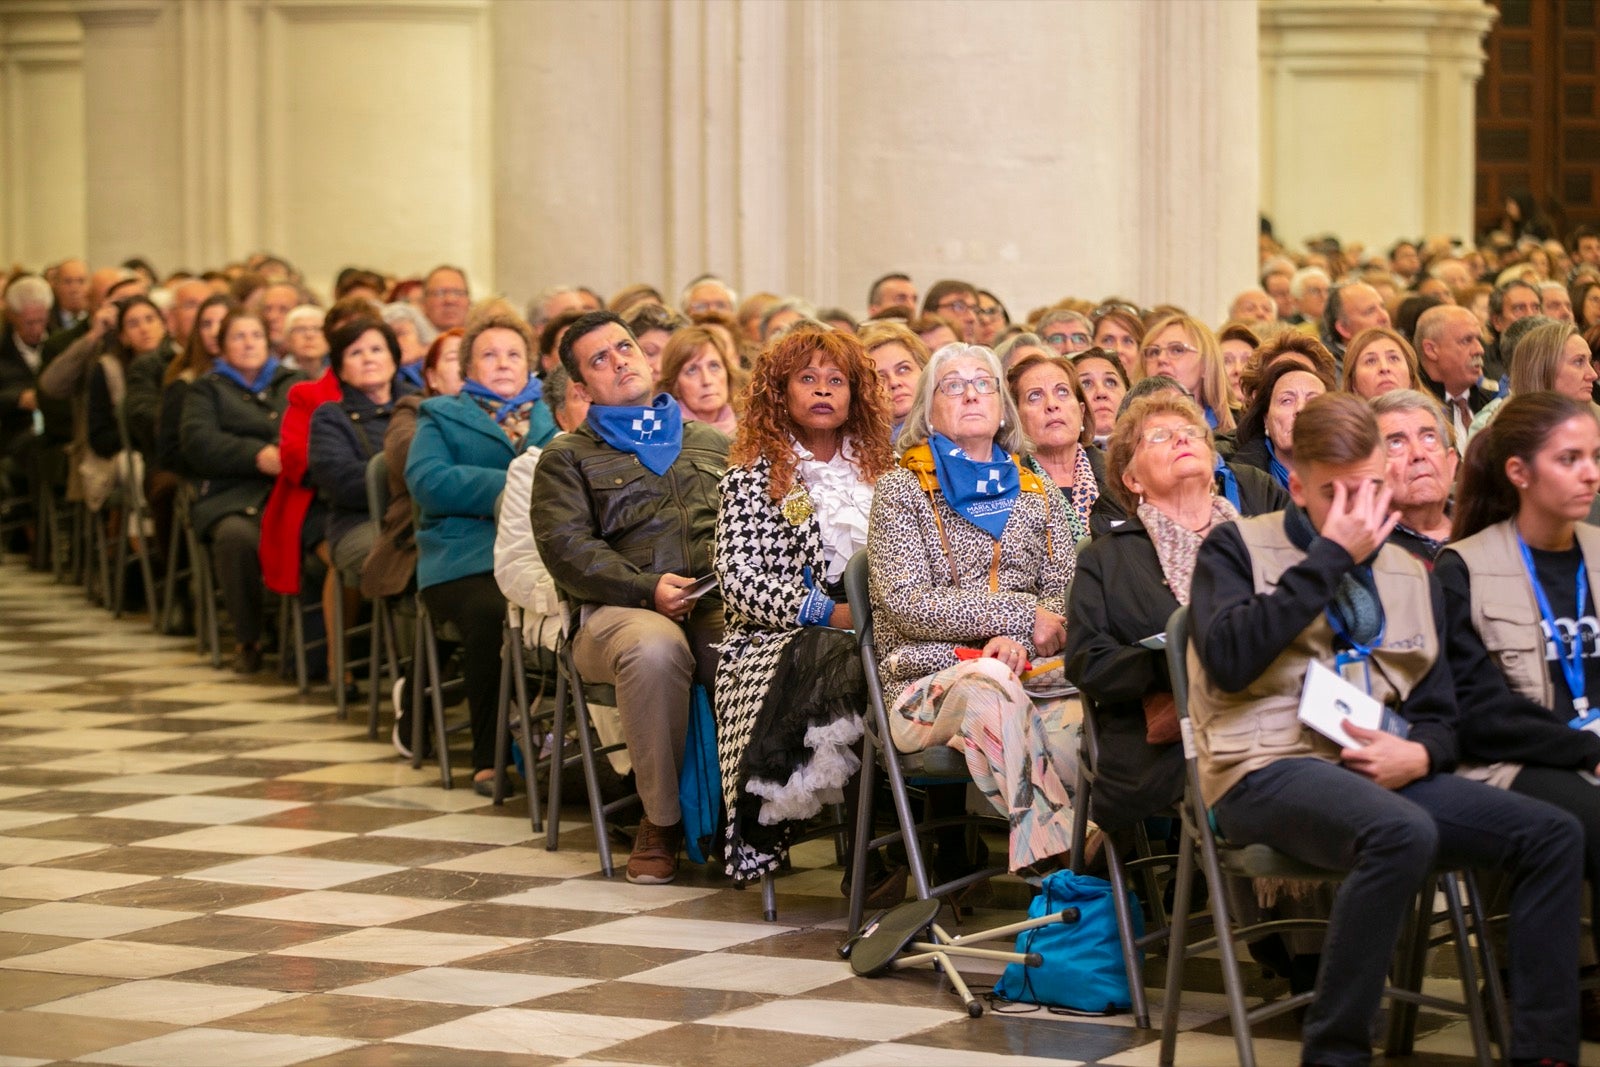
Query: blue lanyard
x=1569 y=656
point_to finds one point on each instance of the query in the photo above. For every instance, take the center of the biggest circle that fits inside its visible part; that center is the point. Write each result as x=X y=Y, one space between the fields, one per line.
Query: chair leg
x=441 y=734
x=591 y=779
x=769 y=897
x=380 y=639
x=1410 y=961
x=335 y=645
x=530 y=747
x=1238 y=1014
x=1177 y=949
x=119 y=565
x=1132 y=962
x=863 y=842
x=297 y=623
x=558 y=754
x=419 y=683
x=908 y=831
x=1469 y=973
x=1499 y=1019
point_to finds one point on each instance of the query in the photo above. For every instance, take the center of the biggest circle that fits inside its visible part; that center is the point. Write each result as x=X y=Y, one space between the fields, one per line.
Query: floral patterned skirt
x=979 y=707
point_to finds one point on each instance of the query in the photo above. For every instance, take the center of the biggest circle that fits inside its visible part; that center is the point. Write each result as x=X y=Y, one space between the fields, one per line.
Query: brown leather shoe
x=655 y=853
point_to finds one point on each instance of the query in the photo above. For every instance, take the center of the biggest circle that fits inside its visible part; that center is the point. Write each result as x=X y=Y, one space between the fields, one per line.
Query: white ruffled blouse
x=842 y=502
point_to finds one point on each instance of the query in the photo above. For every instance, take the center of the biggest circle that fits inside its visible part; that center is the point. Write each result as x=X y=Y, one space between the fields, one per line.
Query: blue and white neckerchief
x=1280 y=473
x=981 y=493
x=1230 y=483
x=654 y=433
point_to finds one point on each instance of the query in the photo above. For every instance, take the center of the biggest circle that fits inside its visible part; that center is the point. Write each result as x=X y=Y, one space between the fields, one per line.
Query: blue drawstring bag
x=700 y=781
x=1082 y=969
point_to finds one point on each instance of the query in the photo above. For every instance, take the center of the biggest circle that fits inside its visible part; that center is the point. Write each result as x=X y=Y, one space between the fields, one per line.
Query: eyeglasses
x=955 y=386
x=959 y=306
x=1174 y=350
x=1079 y=338
x=458 y=294
x=704 y=306
x=991 y=312
x=1428 y=439
x=1160 y=435
x=1105 y=309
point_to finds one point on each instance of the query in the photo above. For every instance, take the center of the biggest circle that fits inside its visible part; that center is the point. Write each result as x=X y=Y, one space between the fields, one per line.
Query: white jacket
x=517 y=567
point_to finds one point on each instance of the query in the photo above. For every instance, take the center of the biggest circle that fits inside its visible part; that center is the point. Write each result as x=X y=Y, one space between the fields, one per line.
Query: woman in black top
x=1521 y=611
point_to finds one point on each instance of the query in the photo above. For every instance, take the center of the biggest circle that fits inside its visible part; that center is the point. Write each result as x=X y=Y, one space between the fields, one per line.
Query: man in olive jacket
x=624 y=509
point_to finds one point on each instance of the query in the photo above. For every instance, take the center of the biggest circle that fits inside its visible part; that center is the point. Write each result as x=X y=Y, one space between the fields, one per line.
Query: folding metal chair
x=514 y=692
x=1134 y=942
x=1259 y=861
x=385 y=642
x=935 y=766
x=572 y=698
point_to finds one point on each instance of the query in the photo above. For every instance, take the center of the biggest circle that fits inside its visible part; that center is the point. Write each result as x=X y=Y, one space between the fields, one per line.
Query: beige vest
x=1236 y=733
x=1506 y=616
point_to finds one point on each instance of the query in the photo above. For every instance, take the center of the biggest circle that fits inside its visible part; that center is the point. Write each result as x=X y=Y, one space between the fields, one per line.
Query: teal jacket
x=455 y=471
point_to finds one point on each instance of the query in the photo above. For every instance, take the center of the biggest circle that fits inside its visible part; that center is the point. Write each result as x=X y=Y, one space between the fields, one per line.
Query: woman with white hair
x=415 y=334
x=972 y=553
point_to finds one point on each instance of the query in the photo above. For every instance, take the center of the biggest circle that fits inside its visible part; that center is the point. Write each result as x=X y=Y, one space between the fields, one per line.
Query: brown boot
x=655 y=853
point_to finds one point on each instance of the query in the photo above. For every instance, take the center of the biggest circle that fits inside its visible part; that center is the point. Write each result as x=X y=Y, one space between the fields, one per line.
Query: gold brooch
x=797 y=506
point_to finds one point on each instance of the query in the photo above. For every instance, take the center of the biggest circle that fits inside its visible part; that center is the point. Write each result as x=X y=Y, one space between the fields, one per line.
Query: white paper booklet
x=1328 y=700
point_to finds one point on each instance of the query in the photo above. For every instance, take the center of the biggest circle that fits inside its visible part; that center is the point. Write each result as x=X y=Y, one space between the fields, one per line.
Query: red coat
x=291 y=498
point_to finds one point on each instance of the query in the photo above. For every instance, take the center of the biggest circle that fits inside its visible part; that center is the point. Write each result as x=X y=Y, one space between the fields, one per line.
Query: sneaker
x=655 y=853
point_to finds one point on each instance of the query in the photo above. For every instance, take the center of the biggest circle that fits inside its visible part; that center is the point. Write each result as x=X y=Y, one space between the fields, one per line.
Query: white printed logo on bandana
x=990 y=484
x=647 y=424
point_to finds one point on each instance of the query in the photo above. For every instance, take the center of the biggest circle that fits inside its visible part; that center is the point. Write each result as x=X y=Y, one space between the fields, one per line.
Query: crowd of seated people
x=1383 y=460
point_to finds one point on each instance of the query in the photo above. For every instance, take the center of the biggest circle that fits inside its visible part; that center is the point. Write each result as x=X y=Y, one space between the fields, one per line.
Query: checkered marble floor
x=200 y=869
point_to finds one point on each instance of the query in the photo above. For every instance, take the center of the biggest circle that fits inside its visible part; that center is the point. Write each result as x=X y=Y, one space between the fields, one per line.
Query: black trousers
x=475 y=606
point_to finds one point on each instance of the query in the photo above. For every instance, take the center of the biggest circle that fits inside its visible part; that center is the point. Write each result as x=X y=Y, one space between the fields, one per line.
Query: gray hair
x=536 y=317
x=788 y=303
x=305 y=312
x=556 y=384
x=1005 y=348
x=393 y=313
x=1551 y=284
x=919 y=424
x=1297 y=284
x=706 y=279
x=1151 y=383
x=30 y=290
x=1398 y=400
x=1050 y=318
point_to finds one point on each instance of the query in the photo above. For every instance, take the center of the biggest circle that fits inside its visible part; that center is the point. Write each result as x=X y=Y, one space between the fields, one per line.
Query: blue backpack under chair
x=1082 y=969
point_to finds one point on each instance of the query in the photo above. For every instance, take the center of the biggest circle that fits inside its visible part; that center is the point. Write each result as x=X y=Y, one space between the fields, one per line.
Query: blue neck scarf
x=1230 y=483
x=411 y=373
x=1211 y=417
x=263 y=376
x=981 y=493
x=654 y=433
x=503 y=407
x=1280 y=473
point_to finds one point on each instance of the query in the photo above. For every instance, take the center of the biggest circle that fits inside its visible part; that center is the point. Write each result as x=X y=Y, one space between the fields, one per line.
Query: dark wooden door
x=1539 y=111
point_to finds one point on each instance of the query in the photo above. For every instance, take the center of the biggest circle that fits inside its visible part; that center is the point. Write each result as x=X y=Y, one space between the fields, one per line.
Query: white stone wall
x=1037 y=147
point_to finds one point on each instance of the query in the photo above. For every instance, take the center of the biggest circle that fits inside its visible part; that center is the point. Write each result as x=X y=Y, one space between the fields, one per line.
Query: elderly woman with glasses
x=972 y=553
x=1055 y=419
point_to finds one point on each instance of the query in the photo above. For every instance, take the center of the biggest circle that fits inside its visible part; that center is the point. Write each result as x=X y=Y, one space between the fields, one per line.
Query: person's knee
x=1407 y=837
x=655 y=651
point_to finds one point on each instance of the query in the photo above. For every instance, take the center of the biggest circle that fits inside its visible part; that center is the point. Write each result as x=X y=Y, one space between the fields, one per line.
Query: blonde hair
x=684 y=346
x=1213 y=391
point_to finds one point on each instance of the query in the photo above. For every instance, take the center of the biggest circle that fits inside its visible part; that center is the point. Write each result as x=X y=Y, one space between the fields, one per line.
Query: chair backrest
x=377 y=487
x=856 y=590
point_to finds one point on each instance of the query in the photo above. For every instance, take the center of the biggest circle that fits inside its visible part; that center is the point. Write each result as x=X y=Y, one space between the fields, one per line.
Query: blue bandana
x=981 y=493
x=1230 y=483
x=411 y=373
x=1211 y=417
x=503 y=407
x=1280 y=473
x=263 y=376
x=654 y=433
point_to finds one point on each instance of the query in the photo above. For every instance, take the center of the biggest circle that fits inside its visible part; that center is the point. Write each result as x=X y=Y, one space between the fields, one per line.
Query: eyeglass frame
x=977 y=384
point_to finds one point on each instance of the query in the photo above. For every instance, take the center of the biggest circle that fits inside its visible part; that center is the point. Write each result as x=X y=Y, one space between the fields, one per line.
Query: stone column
x=42 y=142
x=1367 y=116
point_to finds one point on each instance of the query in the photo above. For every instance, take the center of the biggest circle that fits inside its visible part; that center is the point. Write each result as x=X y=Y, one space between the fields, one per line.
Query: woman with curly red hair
x=813 y=441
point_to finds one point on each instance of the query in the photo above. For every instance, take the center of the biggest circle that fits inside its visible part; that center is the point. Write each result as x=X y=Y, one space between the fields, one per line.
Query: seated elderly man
x=708 y=294
x=1420 y=461
x=1308 y=288
x=627 y=509
x=1351 y=308
x=1315 y=587
x=1253 y=305
x=1555 y=302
